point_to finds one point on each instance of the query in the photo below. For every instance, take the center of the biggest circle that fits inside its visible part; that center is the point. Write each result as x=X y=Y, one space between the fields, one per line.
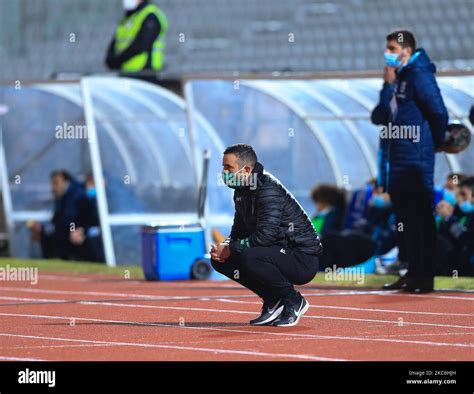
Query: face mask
x=379 y=202
x=231 y=180
x=466 y=207
x=91 y=192
x=449 y=196
x=129 y=5
x=323 y=212
x=391 y=59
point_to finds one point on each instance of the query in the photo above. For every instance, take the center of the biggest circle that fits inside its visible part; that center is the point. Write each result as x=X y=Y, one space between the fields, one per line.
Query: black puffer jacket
x=267 y=214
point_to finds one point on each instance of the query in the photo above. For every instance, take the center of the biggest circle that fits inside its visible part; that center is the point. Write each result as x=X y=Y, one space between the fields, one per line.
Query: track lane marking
x=188 y=348
x=307 y=294
x=394 y=322
x=7 y=358
x=360 y=309
x=53 y=317
x=231 y=299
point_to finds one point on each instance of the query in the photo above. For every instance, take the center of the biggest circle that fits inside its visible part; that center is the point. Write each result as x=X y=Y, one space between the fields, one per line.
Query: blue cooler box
x=169 y=251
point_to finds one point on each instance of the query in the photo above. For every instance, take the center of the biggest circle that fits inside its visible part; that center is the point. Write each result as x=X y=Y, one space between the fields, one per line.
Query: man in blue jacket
x=73 y=212
x=414 y=119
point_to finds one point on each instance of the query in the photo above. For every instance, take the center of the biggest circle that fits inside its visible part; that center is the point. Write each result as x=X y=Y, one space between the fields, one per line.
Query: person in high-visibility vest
x=139 y=40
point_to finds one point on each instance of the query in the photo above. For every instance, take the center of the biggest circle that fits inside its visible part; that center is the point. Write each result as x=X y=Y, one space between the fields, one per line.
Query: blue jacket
x=72 y=207
x=420 y=106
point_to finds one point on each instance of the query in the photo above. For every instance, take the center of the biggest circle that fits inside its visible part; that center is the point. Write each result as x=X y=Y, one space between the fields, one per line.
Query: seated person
x=450 y=188
x=330 y=203
x=381 y=222
x=456 y=232
x=71 y=219
x=341 y=248
x=89 y=238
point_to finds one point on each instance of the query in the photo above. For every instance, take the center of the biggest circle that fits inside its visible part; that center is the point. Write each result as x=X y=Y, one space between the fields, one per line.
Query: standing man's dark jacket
x=418 y=103
x=266 y=214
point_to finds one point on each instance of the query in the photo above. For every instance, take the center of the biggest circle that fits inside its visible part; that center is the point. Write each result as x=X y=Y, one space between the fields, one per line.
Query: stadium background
x=298 y=78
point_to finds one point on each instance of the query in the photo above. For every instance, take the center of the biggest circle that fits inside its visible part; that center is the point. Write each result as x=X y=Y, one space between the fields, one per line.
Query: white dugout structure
x=143 y=145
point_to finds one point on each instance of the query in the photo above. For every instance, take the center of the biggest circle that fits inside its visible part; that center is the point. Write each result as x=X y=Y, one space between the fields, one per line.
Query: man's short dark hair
x=404 y=37
x=245 y=154
x=469 y=183
x=62 y=173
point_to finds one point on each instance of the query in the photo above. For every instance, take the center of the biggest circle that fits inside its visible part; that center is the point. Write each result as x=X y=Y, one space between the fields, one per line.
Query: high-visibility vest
x=128 y=29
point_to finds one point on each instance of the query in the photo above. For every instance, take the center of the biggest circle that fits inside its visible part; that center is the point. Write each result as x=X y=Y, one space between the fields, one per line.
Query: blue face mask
x=91 y=192
x=466 y=207
x=379 y=202
x=391 y=59
x=449 y=196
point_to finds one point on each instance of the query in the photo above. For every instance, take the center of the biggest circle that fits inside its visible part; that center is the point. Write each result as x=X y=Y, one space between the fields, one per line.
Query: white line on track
x=359 y=309
x=392 y=322
x=127 y=295
x=259 y=303
x=283 y=334
x=157 y=297
x=36 y=300
x=433 y=296
x=187 y=348
x=222 y=284
x=6 y=358
x=418 y=335
x=56 y=346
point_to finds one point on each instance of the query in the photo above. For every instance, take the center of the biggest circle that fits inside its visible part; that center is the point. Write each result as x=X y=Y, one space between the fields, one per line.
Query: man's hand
x=77 y=237
x=220 y=252
x=35 y=230
x=389 y=74
x=444 y=209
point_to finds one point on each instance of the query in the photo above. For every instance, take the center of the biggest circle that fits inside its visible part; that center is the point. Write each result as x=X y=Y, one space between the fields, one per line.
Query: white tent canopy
x=143 y=145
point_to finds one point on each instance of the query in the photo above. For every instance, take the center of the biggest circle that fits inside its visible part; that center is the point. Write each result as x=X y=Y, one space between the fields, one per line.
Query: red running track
x=84 y=317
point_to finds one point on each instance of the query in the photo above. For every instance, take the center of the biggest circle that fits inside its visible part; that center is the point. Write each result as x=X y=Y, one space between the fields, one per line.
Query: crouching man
x=272 y=245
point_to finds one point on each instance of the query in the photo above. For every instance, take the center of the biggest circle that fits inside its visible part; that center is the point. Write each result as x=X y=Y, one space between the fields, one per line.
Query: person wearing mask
x=88 y=238
x=456 y=232
x=448 y=201
x=71 y=211
x=448 y=192
x=342 y=247
x=330 y=204
x=139 y=40
x=381 y=223
x=272 y=245
x=411 y=99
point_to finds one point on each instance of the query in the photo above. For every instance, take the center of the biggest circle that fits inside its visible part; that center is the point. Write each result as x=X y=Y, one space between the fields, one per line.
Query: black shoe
x=420 y=286
x=418 y=289
x=400 y=284
x=292 y=312
x=270 y=312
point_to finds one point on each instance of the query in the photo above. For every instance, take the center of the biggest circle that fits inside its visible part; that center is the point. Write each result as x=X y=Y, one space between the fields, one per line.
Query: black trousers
x=270 y=272
x=413 y=206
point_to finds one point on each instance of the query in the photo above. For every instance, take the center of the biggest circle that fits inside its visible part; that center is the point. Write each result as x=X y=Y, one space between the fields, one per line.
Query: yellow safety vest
x=128 y=29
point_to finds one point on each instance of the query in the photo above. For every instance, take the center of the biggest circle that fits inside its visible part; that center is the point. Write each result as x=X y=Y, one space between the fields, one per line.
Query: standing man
x=272 y=245
x=411 y=103
x=139 y=41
